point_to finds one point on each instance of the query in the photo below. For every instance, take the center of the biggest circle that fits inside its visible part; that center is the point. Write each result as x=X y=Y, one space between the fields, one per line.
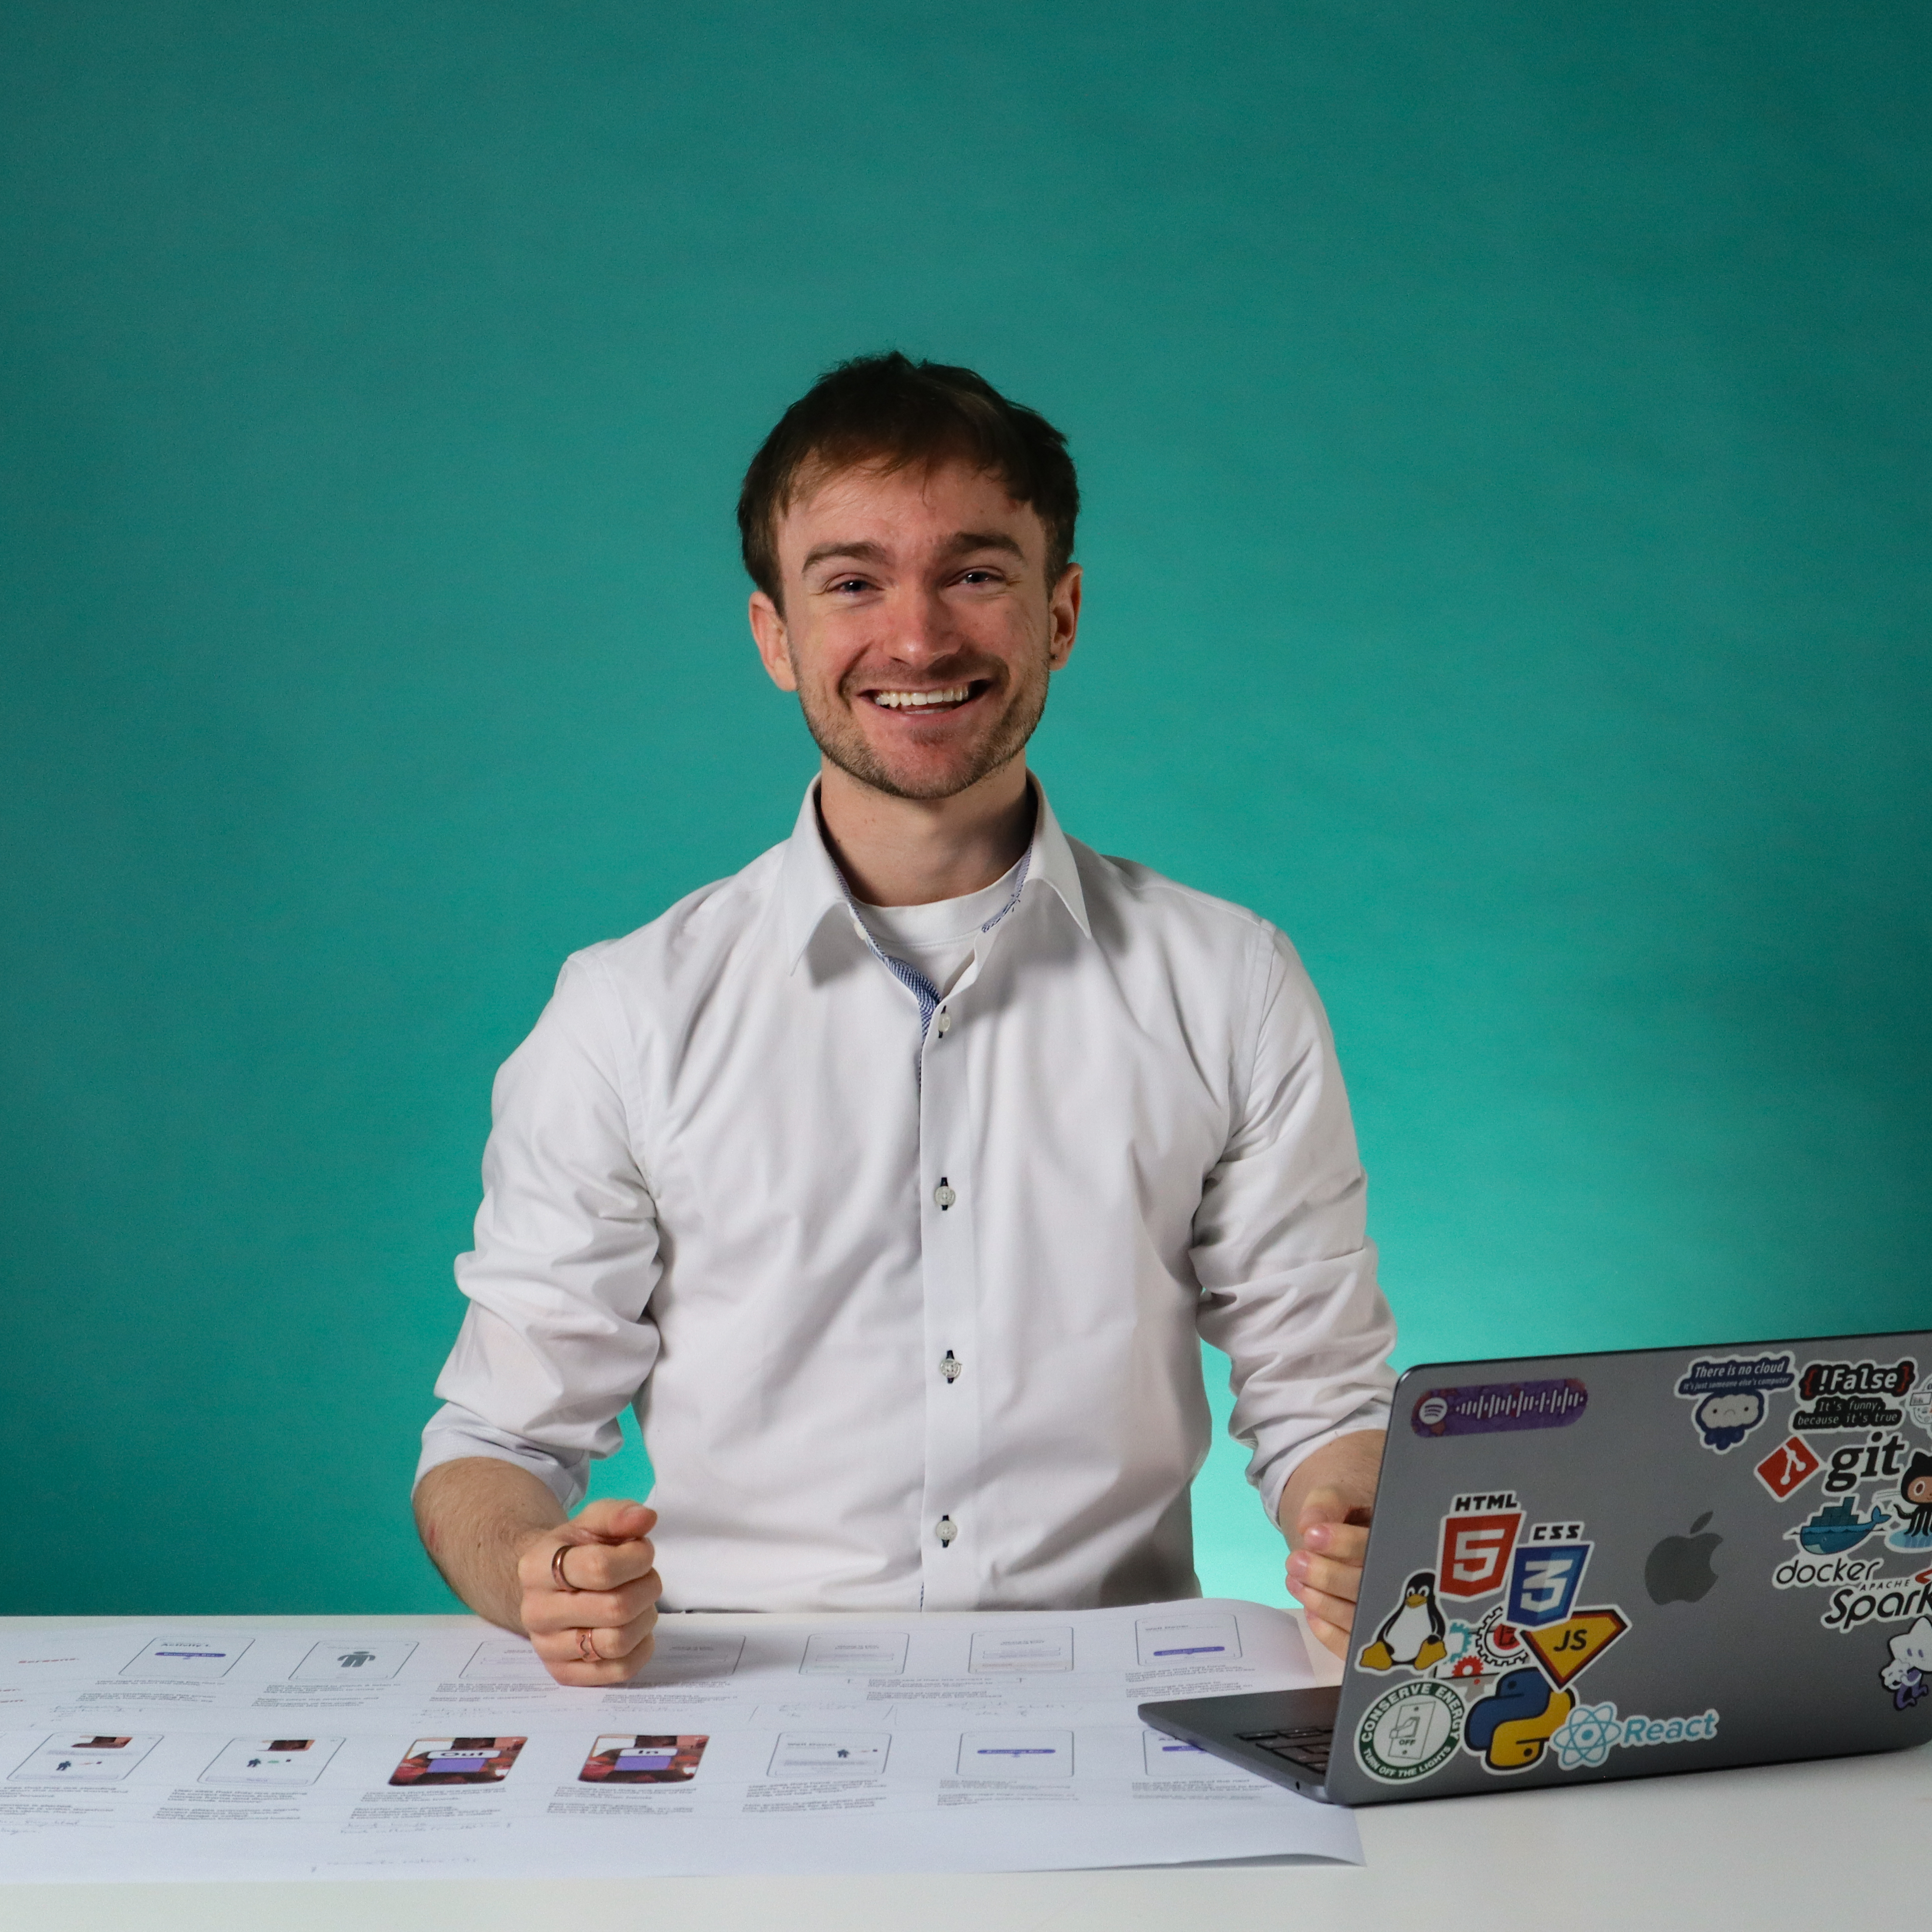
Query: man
x=894 y=1179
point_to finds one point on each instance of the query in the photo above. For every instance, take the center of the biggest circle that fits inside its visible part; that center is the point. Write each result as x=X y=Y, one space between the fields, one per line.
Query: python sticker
x=1508 y=1729
x=1568 y=1649
x=1478 y=1534
x=1729 y=1393
x=1544 y=1580
x=1487 y=1408
x=1587 y=1737
x=1908 y=1675
x=1412 y=1731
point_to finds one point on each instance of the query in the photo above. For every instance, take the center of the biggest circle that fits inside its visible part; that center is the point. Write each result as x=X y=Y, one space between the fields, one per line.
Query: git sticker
x=1412 y=1731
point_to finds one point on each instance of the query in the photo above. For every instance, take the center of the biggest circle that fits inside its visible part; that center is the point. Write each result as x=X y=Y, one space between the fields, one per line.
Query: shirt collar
x=810 y=885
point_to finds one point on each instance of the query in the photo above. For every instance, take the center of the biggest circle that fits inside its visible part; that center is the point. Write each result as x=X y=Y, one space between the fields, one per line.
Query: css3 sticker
x=1411 y=1732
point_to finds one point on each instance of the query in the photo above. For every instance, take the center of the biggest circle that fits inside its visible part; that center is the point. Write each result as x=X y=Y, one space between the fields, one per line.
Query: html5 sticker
x=1478 y=1534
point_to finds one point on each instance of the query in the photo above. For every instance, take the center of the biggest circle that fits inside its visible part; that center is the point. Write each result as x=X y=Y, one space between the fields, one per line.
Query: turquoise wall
x=1504 y=426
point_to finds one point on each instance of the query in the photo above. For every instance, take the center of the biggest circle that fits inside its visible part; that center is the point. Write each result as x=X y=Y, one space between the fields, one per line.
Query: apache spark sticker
x=1729 y=1393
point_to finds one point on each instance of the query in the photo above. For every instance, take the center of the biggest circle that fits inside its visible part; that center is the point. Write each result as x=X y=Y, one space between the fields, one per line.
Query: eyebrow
x=961 y=544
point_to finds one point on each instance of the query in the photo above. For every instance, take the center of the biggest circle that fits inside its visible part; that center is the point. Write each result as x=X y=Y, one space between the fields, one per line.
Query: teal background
x=1505 y=433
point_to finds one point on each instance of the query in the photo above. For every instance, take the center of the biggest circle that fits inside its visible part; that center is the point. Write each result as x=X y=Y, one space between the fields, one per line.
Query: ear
x=1062 y=612
x=768 y=632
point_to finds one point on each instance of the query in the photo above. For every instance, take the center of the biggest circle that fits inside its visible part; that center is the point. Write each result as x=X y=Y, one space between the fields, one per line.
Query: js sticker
x=1411 y=1732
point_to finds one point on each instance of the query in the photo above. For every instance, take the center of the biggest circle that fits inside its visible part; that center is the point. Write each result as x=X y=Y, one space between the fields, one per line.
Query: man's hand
x=1329 y=1500
x=494 y=1531
x=590 y=1589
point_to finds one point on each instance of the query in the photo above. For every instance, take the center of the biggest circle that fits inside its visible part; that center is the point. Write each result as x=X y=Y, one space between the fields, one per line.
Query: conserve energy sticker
x=836 y=1754
x=856 y=1653
x=71 y=1759
x=274 y=1761
x=1186 y=1639
x=187 y=1656
x=1016 y=1754
x=1008 y=1652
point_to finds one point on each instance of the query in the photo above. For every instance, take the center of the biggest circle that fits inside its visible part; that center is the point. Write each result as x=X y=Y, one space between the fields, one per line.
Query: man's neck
x=913 y=851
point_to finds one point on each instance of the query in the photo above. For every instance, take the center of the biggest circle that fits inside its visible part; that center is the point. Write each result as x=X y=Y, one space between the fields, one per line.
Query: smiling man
x=894 y=1180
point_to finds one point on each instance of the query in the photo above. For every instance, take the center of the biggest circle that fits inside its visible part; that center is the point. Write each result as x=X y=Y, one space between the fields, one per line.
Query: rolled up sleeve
x=1281 y=1249
x=558 y=1339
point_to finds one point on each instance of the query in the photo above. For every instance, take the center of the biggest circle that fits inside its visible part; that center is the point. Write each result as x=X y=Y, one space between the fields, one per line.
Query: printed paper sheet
x=994 y=1742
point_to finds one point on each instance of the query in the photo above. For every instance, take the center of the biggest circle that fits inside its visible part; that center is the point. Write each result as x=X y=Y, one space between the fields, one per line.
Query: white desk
x=1801 y=1846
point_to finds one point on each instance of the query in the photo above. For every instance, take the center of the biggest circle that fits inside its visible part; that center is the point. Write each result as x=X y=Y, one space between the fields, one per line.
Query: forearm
x=1350 y=1466
x=476 y=1515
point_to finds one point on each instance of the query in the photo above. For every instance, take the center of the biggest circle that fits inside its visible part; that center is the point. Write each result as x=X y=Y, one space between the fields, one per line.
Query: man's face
x=918 y=628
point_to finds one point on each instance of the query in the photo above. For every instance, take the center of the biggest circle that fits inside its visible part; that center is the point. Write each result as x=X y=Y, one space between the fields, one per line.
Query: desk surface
x=1801 y=1846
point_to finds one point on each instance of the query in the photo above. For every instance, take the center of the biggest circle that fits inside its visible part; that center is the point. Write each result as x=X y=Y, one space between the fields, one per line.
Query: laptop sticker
x=1908 y=1676
x=1790 y=1467
x=1835 y=1528
x=1496 y=1645
x=1729 y=1392
x=1411 y=1634
x=1883 y=1600
x=1478 y=1534
x=1486 y=1408
x=1508 y=1729
x=1544 y=1577
x=1913 y=1508
x=1568 y=1649
x=1919 y=1406
x=1412 y=1731
x=1852 y=1395
x=1591 y=1731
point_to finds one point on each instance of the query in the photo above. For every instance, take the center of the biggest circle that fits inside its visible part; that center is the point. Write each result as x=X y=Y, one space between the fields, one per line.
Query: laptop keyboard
x=1306 y=1749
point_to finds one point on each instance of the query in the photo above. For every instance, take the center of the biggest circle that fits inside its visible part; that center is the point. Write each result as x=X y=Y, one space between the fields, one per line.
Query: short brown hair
x=890 y=411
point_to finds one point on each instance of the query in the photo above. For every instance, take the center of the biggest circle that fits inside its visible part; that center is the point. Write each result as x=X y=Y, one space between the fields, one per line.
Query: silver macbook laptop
x=1589 y=1567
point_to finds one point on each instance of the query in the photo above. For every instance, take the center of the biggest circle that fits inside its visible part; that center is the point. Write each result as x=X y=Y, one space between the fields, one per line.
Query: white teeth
x=913 y=700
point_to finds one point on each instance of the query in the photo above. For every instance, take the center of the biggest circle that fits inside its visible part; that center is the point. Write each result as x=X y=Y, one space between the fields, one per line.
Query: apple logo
x=1678 y=1569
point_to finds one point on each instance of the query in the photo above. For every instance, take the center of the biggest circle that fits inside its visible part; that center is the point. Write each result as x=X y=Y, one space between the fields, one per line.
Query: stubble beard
x=837 y=733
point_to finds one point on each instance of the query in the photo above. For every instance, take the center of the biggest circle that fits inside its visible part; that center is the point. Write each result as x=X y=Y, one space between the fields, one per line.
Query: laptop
x=1593 y=1567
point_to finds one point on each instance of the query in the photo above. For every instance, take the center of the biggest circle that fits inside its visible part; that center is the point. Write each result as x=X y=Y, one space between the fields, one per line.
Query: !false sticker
x=1567 y=1649
x=1729 y=1392
x=1478 y=1534
x=1411 y=1634
x=1908 y=1676
x=1852 y=1395
x=1408 y=1733
x=1789 y=1467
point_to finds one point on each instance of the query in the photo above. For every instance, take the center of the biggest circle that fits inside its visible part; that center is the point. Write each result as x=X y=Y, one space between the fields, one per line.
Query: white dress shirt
x=911 y=1318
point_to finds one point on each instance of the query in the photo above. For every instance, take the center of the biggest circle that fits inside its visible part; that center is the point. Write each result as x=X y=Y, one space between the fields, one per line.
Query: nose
x=921 y=626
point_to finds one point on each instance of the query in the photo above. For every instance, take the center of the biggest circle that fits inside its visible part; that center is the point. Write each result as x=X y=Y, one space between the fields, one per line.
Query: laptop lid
x=1590 y=1567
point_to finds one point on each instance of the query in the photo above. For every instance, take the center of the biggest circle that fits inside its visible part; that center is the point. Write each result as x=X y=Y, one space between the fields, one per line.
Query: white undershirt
x=938 y=938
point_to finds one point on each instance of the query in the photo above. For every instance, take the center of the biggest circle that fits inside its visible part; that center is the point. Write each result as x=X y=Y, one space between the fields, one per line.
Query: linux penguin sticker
x=1412 y=1634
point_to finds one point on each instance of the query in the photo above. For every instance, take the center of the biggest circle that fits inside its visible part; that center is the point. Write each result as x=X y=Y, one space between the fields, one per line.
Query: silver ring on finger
x=557 y=1575
x=586 y=1648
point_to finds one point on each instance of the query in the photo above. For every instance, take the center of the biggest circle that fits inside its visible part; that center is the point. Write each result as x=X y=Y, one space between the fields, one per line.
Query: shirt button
x=946 y=1529
x=951 y=1367
x=942 y=1025
x=944 y=1195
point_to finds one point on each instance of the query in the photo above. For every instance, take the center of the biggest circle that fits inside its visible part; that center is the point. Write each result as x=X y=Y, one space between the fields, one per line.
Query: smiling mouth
x=946 y=697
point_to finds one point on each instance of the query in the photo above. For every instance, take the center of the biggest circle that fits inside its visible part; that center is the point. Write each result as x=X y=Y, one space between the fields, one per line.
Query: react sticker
x=1730 y=1394
x=1592 y=1731
x=1909 y=1675
x=1412 y=1731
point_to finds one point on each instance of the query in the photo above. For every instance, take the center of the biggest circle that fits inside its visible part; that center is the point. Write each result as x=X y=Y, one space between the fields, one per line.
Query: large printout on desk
x=749 y=1743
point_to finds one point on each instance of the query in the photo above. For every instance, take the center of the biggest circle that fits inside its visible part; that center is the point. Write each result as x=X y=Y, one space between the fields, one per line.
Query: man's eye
x=978 y=576
x=849 y=584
